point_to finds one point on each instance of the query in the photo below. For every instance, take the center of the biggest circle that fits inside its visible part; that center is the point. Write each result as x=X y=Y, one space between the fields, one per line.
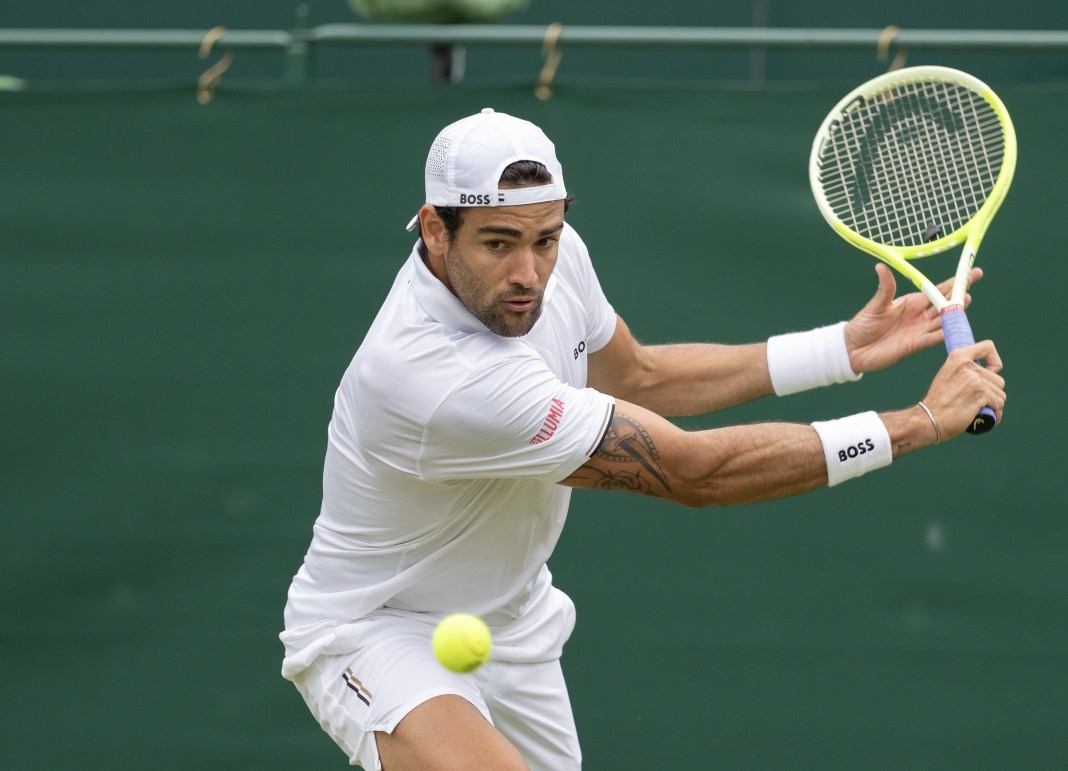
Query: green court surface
x=182 y=286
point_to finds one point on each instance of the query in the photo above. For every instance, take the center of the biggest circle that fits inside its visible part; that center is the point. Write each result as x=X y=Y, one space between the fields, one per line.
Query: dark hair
x=518 y=174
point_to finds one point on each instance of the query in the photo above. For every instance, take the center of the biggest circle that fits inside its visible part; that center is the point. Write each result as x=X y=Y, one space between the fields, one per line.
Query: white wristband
x=853 y=446
x=799 y=361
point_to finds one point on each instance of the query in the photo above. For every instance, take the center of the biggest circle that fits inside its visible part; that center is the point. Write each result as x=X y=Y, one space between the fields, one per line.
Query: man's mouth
x=519 y=304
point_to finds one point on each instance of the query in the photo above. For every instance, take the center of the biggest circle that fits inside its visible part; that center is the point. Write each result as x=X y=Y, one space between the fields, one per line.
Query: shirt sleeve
x=601 y=316
x=513 y=419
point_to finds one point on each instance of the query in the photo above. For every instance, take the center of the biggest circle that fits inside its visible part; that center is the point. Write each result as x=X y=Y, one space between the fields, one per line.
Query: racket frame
x=971 y=232
x=957 y=331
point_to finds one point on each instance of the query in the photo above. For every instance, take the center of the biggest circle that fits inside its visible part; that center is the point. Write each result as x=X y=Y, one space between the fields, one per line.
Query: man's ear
x=435 y=236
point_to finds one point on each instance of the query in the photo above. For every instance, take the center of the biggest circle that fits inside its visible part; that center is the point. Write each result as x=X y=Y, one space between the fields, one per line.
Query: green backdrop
x=181 y=288
x=495 y=64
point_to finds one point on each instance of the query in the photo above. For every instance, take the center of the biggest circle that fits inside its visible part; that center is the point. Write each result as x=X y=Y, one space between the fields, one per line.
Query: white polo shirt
x=445 y=449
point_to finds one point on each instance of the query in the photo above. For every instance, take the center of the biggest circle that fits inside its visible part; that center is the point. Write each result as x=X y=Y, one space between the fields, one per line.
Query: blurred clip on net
x=211 y=76
x=447 y=61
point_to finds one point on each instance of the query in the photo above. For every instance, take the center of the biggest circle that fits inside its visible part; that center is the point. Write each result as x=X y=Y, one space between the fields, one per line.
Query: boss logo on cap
x=470 y=199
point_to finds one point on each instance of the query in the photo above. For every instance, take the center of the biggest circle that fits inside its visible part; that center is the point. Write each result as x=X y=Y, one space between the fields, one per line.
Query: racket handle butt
x=958 y=334
x=982 y=422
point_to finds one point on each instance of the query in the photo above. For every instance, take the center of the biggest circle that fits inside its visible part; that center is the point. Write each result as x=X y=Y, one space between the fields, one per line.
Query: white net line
x=912 y=163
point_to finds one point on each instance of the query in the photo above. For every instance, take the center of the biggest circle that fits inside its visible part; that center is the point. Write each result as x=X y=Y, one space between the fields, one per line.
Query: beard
x=486 y=306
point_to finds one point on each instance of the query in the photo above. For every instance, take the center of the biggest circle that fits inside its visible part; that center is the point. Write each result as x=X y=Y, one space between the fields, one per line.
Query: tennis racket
x=911 y=164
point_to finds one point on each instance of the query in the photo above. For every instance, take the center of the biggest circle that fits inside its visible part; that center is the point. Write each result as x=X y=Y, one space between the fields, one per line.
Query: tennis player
x=495 y=378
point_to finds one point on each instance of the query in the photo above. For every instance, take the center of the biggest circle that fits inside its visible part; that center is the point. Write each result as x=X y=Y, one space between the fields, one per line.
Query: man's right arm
x=647 y=454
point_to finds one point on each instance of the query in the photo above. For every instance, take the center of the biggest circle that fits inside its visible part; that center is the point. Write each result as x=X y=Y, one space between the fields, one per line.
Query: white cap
x=465 y=163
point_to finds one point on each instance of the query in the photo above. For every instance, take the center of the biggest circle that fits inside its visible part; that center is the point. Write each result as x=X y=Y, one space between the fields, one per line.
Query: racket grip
x=958 y=334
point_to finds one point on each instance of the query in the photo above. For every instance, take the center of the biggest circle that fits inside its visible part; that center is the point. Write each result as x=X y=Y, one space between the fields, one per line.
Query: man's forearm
x=697 y=378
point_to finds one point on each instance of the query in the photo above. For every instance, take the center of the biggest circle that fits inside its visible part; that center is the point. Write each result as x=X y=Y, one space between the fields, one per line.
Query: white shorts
x=355 y=694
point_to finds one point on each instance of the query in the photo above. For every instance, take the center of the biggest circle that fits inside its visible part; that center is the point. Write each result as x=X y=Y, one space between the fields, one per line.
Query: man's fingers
x=984 y=351
x=972 y=381
x=989 y=355
x=884 y=293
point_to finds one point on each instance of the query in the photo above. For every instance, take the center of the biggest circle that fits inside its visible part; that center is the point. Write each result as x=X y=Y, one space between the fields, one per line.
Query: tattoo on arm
x=632 y=462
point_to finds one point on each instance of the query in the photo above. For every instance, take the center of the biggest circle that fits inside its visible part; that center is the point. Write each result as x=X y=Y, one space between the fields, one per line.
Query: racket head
x=912 y=163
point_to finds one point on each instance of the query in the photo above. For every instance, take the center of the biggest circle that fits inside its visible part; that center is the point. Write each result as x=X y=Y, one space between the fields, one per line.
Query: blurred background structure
x=183 y=282
x=345 y=40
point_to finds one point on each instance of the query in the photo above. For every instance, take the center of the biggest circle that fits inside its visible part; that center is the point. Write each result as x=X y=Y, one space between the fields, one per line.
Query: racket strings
x=912 y=164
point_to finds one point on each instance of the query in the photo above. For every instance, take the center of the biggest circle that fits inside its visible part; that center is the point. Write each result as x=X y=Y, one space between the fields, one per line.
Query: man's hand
x=962 y=388
x=889 y=328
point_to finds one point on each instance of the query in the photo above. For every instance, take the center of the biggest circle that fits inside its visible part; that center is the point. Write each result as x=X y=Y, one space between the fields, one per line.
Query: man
x=496 y=377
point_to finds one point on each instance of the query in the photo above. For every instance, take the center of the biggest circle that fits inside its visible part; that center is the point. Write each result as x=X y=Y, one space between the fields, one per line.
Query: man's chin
x=513 y=330
x=514 y=325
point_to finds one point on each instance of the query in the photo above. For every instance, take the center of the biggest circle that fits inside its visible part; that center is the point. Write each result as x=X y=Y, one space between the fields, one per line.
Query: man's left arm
x=683 y=379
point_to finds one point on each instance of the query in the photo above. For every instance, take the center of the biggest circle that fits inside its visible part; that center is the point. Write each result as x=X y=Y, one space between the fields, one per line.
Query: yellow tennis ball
x=462 y=642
